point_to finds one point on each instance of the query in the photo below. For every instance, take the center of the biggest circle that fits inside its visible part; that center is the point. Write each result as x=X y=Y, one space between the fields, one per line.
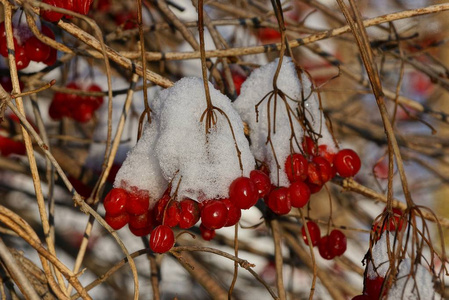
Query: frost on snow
x=175 y=147
x=254 y=89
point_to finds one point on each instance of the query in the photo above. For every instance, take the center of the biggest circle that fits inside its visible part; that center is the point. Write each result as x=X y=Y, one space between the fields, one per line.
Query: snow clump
x=256 y=87
x=175 y=147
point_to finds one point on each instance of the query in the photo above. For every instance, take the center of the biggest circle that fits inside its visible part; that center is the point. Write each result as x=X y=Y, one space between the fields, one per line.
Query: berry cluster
x=79 y=108
x=133 y=208
x=27 y=47
x=329 y=246
x=78 y=6
x=308 y=172
x=394 y=223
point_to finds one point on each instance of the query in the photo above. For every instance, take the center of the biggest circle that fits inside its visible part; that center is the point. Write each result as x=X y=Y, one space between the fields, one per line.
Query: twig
x=19 y=277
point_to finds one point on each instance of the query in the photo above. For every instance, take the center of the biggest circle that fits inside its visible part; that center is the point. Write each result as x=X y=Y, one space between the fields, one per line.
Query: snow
x=176 y=147
x=407 y=287
x=257 y=86
x=141 y=168
x=379 y=256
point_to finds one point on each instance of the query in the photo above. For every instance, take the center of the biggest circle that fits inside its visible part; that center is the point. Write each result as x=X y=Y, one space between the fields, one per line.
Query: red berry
x=324 y=153
x=243 y=193
x=115 y=201
x=261 y=181
x=325 y=248
x=299 y=194
x=36 y=50
x=214 y=214
x=324 y=168
x=206 y=233
x=3 y=46
x=234 y=213
x=314 y=188
x=308 y=146
x=172 y=214
x=9 y=146
x=268 y=35
x=162 y=239
x=49 y=15
x=94 y=101
x=22 y=60
x=137 y=204
x=373 y=287
x=279 y=201
x=396 y=222
x=337 y=242
x=118 y=221
x=313 y=174
x=190 y=213
x=140 y=231
x=82 y=6
x=296 y=167
x=314 y=232
x=141 y=221
x=83 y=112
x=347 y=163
x=238 y=80
x=159 y=209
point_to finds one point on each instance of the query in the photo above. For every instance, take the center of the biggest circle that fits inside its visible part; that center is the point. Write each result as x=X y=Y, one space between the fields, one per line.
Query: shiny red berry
x=373 y=287
x=206 y=233
x=261 y=181
x=117 y=221
x=299 y=194
x=279 y=201
x=234 y=213
x=337 y=242
x=243 y=193
x=82 y=6
x=22 y=60
x=162 y=239
x=49 y=15
x=296 y=167
x=37 y=50
x=115 y=201
x=325 y=248
x=324 y=152
x=141 y=221
x=314 y=232
x=214 y=214
x=308 y=146
x=137 y=204
x=189 y=214
x=347 y=163
x=172 y=214
x=324 y=168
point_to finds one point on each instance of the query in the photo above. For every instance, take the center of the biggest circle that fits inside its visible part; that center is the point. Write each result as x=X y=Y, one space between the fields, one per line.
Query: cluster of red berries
x=133 y=208
x=29 y=48
x=329 y=246
x=394 y=223
x=80 y=108
x=78 y=6
x=308 y=173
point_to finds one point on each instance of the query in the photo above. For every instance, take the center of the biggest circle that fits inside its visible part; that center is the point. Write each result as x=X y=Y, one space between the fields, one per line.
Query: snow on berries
x=27 y=47
x=185 y=172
